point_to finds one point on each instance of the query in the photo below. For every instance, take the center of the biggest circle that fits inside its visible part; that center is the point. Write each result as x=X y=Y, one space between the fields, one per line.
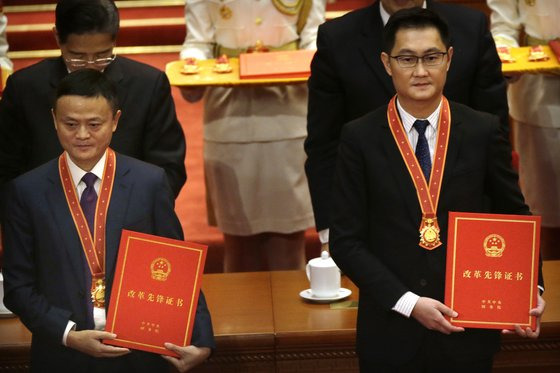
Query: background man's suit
x=45 y=266
x=148 y=128
x=375 y=221
x=348 y=80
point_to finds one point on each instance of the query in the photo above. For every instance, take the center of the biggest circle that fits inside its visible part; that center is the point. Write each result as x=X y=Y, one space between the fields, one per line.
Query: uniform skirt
x=539 y=169
x=257 y=187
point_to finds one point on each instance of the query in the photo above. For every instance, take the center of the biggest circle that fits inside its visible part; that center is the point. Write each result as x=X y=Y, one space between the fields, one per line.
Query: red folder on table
x=555 y=46
x=281 y=64
x=492 y=269
x=155 y=292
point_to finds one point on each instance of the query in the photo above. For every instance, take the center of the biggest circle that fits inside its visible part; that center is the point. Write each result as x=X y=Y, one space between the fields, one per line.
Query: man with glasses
x=386 y=160
x=86 y=32
x=348 y=80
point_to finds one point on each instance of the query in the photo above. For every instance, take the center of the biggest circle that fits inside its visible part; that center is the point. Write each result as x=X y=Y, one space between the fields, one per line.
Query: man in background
x=348 y=80
x=86 y=32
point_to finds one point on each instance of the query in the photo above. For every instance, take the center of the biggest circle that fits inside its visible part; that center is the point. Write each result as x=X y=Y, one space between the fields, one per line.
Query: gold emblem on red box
x=160 y=269
x=494 y=246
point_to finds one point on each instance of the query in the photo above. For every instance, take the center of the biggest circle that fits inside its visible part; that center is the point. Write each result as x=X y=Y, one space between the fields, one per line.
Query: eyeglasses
x=100 y=62
x=428 y=60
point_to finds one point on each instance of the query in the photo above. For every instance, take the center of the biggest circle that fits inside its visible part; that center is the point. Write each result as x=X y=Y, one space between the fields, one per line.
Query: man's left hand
x=537 y=312
x=190 y=356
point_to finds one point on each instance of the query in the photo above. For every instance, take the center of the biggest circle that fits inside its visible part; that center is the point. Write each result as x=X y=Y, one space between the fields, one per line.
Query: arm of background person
x=12 y=137
x=164 y=141
x=489 y=88
x=308 y=35
x=325 y=117
x=5 y=62
x=199 y=42
x=505 y=22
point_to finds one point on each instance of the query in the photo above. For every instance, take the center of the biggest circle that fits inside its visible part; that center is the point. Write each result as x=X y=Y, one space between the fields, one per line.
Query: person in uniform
x=253 y=136
x=534 y=101
x=6 y=65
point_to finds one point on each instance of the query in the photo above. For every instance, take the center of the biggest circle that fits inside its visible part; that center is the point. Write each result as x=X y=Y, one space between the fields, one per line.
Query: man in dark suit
x=378 y=222
x=348 y=80
x=48 y=281
x=86 y=32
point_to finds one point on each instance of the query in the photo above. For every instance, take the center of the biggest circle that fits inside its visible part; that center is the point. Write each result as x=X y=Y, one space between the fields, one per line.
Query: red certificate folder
x=282 y=64
x=492 y=269
x=155 y=292
x=555 y=46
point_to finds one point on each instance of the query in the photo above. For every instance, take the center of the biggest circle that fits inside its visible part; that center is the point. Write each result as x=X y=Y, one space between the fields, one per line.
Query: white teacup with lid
x=324 y=276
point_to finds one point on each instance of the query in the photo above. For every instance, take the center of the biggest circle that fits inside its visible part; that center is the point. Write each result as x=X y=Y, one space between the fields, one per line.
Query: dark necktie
x=422 y=148
x=88 y=200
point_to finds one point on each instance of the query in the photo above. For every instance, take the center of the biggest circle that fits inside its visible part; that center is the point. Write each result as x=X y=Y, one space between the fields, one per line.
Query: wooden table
x=262 y=325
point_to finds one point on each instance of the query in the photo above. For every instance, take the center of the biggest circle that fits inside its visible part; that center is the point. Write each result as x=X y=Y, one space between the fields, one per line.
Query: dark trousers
x=430 y=358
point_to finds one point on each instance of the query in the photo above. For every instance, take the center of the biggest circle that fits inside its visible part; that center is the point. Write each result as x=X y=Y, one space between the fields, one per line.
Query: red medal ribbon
x=94 y=248
x=427 y=197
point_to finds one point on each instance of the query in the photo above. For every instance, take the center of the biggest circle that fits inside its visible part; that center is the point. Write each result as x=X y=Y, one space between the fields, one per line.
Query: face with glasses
x=93 y=51
x=418 y=66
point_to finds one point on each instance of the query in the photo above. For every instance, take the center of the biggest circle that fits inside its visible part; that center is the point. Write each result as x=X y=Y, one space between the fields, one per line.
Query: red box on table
x=281 y=64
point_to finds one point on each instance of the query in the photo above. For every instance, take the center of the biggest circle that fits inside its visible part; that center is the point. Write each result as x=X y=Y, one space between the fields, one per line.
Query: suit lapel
x=401 y=174
x=59 y=72
x=115 y=216
x=115 y=73
x=371 y=46
x=65 y=223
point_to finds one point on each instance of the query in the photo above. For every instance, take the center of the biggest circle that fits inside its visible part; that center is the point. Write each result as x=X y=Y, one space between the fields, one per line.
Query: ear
x=54 y=119
x=386 y=63
x=449 y=56
x=116 y=118
x=56 y=36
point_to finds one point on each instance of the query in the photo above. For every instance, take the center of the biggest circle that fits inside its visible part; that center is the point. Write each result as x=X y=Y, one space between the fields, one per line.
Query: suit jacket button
x=423 y=282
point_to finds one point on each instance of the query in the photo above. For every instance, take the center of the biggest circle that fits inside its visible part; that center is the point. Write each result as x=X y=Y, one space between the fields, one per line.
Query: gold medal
x=225 y=12
x=530 y=2
x=98 y=293
x=429 y=233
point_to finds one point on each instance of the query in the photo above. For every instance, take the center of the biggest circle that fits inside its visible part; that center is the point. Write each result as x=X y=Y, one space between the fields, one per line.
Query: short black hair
x=86 y=17
x=88 y=83
x=414 y=18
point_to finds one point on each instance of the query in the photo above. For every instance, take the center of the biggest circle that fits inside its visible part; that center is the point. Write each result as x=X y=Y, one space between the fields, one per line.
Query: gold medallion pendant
x=429 y=233
x=530 y=2
x=225 y=12
x=98 y=294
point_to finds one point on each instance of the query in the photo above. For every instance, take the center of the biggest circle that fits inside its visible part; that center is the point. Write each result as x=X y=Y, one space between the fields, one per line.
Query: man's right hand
x=430 y=313
x=89 y=342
